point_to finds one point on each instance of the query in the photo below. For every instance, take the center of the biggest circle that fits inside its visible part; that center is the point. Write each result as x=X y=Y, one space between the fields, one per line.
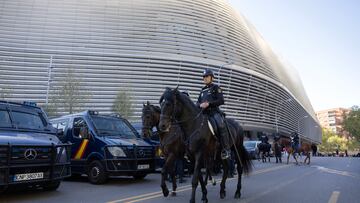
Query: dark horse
x=200 y=143
x=264 y=151
x=171 y=144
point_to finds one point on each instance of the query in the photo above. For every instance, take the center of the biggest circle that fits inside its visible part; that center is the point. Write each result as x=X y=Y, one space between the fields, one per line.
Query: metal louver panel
x=145 y=46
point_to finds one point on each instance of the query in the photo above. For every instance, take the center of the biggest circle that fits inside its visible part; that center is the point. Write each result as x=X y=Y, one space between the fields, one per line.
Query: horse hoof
x=214 y=183
x=205 y=200
x=222 y=195
x=173 y=194
x=165 y=192
x=237 y=195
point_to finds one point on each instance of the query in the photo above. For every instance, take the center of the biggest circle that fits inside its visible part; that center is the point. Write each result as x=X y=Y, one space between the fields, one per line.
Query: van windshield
x=22 y=120
x=112 y=127
x=249 y=144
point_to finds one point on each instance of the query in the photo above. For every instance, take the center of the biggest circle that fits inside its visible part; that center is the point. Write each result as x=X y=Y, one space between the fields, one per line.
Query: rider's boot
x=224 y=141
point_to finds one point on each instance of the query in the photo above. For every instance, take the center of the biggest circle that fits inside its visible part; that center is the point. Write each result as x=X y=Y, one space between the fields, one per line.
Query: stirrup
x=225 y=154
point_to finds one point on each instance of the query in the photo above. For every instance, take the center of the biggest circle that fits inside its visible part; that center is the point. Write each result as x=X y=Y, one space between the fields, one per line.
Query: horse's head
x=168 y=103
x=150 y=118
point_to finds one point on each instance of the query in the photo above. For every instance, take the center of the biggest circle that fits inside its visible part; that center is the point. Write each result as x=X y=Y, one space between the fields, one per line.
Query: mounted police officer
x=210 y=98
x=295 y=141
x=264 y=139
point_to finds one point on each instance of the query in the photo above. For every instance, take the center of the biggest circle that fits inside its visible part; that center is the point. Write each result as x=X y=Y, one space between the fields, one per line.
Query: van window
x=60 y=125
x=77 y=125
x=5 y=119
x=28 y=121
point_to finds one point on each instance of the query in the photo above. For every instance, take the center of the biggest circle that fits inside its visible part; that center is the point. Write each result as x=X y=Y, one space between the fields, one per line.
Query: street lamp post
x=225 y=64
x=49 y=81
x=276 y=110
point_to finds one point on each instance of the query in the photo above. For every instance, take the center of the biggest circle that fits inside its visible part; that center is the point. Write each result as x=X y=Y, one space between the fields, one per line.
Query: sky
x=319 y=38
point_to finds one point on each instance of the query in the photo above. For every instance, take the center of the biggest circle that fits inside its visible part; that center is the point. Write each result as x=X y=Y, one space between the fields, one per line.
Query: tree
x=69 y=95
x=122 y=103
x=331 y=142
x=325 y=145
x=352 y=122
x=5 y=92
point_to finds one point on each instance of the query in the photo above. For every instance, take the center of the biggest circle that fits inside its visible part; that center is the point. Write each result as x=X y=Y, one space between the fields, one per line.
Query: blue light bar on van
x=29 y=103
x=117 y=115
x=93 y=112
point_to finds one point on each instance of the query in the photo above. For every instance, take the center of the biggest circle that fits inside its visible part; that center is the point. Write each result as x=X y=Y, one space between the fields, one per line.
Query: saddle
x=213 y=127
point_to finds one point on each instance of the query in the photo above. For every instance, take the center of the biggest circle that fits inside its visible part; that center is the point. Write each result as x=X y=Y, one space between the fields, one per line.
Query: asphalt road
x=326 y=179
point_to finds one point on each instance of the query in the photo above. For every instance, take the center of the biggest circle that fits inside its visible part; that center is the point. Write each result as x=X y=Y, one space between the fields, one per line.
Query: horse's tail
x=245 y=159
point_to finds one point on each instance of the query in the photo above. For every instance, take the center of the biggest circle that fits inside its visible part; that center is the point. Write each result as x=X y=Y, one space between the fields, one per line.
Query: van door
x=80 y=146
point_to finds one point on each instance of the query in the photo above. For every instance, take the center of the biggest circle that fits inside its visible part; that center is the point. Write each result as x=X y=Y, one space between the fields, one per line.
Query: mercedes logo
x=30 y=154
x=141 y=153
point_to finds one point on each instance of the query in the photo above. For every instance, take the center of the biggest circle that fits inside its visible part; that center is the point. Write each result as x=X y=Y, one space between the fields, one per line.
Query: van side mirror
x=60 y=132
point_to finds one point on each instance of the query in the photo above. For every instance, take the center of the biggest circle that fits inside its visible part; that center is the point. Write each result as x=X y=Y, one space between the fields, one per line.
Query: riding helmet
x=208 y=72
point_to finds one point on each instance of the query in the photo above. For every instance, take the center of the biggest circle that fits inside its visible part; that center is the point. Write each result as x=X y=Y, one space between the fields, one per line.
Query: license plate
x=28 y=176
x=143 y=166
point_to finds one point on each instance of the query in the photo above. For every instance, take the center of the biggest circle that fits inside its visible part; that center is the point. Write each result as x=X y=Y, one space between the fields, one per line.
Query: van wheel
x=96 y=173
x=2 y=189
x=139 y=176
x=51 y=186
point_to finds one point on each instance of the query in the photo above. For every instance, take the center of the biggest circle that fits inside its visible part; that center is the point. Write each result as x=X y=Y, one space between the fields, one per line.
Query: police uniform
x=212 y=94
x=295 y=141
x=264 y=139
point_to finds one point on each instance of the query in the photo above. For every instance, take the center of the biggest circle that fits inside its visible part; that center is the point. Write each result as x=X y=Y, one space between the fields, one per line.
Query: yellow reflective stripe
x=82 y=148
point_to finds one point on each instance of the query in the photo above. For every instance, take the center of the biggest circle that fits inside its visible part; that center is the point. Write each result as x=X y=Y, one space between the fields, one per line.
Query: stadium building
x=147 y=45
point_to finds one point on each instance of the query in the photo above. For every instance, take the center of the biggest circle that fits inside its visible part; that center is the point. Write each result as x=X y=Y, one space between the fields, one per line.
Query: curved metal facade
x=145 y=46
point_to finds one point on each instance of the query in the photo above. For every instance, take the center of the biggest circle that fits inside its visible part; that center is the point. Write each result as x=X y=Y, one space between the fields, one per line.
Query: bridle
x=173 y=118
x=149 y=124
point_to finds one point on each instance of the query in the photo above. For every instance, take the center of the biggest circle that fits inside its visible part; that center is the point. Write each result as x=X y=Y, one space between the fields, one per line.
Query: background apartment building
x=332 y=119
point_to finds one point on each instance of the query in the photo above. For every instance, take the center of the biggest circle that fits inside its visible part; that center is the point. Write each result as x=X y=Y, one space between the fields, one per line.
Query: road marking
x=338 y=172
x=334 y=197
x=153 y=195
x=283 y=184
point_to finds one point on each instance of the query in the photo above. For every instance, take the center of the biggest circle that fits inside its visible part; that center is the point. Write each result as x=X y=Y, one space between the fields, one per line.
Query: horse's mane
x=156 y=108
x=186 y=100
x=151 y=107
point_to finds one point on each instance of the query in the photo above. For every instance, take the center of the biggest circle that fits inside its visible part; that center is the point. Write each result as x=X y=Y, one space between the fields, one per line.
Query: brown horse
x=171 y=144
x=277 y=150
x=304 y=148
x=200 y=143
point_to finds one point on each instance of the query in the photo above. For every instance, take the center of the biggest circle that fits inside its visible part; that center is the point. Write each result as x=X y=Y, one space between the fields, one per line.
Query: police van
x=104 y=145
x=30 y=152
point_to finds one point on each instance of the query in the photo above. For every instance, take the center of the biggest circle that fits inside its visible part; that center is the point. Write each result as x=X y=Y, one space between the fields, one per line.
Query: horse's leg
x=294 y=155
x=269 y=156
x=308 y=155
x=240 y=171
x=288 y=157
x=173 y=178
x=210 y=171
x=203 y=189
x=223 y=180
x=168 y=163
x=195 y=179
x=207 y=175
